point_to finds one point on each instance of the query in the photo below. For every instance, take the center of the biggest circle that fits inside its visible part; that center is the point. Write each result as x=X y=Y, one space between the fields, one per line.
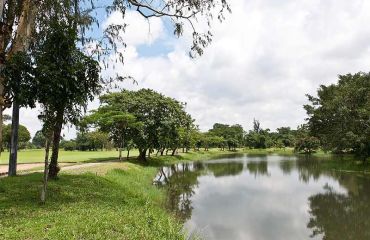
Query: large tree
x=340 y=115
x=21 y=19
x=117 y=123
x=157 y=119
x=75 y=81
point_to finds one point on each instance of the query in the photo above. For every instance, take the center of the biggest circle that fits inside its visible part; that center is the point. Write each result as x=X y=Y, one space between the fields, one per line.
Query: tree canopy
x=148 y=118
x=340 y=114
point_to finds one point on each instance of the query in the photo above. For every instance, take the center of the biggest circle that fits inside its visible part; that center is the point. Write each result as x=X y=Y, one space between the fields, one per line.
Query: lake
x=267 y=197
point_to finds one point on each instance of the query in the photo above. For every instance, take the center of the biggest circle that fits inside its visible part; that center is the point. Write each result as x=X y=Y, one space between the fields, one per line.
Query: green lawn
x=37 y=155
x=123 y=204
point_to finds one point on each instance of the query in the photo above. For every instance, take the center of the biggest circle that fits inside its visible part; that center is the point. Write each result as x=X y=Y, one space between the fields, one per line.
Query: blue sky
x=263 y=60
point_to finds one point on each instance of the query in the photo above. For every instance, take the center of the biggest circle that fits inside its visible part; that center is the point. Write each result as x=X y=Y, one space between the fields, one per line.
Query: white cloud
x=139 y=30
x=263 y=60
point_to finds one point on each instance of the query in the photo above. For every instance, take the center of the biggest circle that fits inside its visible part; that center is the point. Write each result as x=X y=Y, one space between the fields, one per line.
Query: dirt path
x=30 y=166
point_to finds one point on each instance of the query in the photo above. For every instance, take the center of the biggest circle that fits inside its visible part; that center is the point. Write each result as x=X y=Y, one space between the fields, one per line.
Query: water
x=267 y=197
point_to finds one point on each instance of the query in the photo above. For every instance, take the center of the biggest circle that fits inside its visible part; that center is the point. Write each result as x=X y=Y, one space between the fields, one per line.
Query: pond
x=267 y=197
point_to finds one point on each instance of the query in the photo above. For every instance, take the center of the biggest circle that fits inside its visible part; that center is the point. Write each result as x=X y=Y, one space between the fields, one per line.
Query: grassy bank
x=121 y=204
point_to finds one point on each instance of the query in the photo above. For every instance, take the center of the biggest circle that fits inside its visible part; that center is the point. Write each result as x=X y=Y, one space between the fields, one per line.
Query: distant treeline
x=338 y=121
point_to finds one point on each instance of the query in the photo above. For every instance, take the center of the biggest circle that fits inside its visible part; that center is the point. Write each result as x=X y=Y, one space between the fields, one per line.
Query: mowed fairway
x=37 y=156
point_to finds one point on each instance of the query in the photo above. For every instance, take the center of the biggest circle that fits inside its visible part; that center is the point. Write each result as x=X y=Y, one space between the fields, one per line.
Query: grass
x=37 y=155
x=121 y=204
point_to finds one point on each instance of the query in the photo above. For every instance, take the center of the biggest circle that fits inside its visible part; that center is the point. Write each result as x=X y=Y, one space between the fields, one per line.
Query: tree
x=75 y=81
x=258 y=137
x=340 y=115
x=24 y=135
x=68 y=145
x=233 y=135
x=149 y=119
x=39 y=139
x=18 y=76
x=304 y=141
x=116 y=123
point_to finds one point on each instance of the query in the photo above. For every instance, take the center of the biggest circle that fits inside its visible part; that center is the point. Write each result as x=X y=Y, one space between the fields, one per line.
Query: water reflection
x=267 y=197
x=342 y=216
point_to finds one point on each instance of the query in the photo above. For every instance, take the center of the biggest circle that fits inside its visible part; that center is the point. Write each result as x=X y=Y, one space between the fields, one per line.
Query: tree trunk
x=45 y=182
x=128 y=153
x=173 y=152
x=53 y=167
x=162 y=151
x=9 y=46
x=14 y=140
x=121 y=147
x=120 y=154
x=142 y=154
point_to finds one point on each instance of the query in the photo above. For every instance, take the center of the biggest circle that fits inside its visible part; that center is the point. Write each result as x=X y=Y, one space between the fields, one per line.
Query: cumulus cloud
x=263 y=60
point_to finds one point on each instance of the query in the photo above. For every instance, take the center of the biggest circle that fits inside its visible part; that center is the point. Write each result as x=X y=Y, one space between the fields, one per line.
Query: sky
x=264 y=58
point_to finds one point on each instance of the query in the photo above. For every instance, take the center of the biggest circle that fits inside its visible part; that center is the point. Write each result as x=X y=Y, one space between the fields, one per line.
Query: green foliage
x=340 y=114
x=91 y=141
x=24 y=136
x=39 y=139
x=18 y=74
x=232 y=136
x=145 y=117
x=258 y=137
x=304 y=141
x=68 y=145
x=75 y=76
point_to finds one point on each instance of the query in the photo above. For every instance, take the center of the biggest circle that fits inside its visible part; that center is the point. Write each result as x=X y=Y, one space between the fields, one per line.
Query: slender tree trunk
x=53 y=167
x=45 y=181
x=183 y=150
x=14 y=140
x=173 y=152
x=128 y=153
x=121 y=147
x=120 y=153
x=162 y=151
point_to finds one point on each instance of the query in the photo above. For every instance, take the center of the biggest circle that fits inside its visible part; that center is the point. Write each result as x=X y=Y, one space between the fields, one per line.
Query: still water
x=267 y=197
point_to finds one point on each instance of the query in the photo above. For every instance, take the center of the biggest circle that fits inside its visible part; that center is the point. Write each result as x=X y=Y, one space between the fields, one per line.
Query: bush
x=69 y=145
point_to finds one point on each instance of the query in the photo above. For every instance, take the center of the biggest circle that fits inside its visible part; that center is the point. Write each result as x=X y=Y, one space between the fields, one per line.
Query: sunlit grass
x=37 y=155
x=122 y=204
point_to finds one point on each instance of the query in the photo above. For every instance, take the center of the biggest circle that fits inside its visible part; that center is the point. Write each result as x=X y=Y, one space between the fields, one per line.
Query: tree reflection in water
x=334 y=213
x=342 y=216
x=181 y=180
x=258 y=168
